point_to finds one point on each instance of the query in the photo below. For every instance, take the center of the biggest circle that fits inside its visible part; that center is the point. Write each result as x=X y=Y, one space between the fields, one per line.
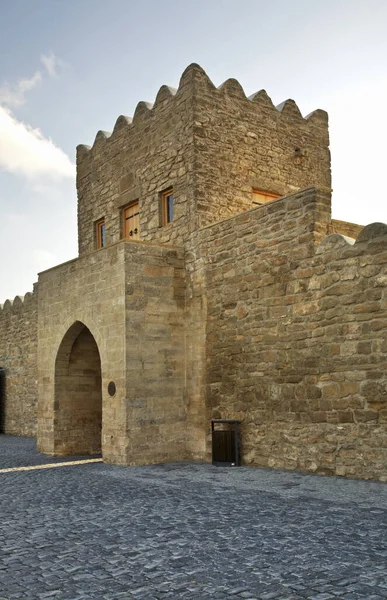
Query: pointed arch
x=78 y=393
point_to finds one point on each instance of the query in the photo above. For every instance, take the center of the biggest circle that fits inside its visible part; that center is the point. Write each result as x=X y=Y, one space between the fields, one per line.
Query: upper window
x=101 y=233
x=261 y=197
x=167 y=205
x=131 y=221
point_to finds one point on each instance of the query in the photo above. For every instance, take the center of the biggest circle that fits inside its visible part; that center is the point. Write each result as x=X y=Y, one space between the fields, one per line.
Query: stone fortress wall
x=265 y=314
x=212 y=145
x=244 y=143
x=130 y=296
x=140 y=159
x=18 y=357
x=296 y=337
x=344 y=228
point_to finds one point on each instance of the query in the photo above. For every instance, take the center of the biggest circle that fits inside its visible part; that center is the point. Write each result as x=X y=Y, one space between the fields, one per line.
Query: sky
x=70 y=67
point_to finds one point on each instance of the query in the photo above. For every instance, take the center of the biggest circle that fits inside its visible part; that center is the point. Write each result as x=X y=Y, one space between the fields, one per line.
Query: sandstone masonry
x=18 y=357
x=194 y=298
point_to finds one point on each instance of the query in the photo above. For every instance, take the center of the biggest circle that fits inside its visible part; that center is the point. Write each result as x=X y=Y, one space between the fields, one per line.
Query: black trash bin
x=225 y=443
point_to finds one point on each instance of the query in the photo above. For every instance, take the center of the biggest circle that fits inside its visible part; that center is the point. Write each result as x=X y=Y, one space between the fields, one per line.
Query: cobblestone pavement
x=96 y=531
x=20 y=452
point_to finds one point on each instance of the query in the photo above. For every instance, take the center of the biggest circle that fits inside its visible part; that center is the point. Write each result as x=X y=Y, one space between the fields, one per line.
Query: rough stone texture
x=345 y=228
x=213 y=146
x=296 y=343
x=130 y=296
x=243 y=143
x=18 y=356
x=141 y=159
x=157 y=402
x=227 y=312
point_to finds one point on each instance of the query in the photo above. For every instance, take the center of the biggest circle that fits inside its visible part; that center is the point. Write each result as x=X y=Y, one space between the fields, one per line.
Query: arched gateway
x=78 y=394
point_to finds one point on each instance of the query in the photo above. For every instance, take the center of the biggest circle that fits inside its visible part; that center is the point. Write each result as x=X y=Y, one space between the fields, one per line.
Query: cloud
x=14 y=95
x=52 y=63
x=25 y=151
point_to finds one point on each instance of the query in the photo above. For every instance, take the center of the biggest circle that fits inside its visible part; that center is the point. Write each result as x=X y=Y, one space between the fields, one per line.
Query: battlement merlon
x=212 y=145
x=197 y=78
x=17 y=304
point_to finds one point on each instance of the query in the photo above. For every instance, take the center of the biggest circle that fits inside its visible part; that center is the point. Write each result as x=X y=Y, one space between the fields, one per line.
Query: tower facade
x=211 y=283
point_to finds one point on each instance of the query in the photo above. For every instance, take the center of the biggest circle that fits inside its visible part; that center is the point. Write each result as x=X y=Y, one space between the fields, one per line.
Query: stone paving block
x=187 y=531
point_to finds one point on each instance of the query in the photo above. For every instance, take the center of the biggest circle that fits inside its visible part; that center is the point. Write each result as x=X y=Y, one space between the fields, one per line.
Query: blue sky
x=70 y=67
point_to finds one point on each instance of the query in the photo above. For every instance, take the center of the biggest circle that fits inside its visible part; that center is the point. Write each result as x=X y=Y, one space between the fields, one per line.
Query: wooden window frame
x=263 y=193
x=164 y=206
x=99 y=235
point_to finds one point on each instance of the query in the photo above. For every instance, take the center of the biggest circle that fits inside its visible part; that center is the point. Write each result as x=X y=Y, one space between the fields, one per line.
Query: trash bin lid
x=225 y=421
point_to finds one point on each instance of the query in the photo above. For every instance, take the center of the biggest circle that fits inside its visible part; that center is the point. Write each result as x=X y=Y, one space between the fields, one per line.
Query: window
x=101 y=233
x=131 y=221
x=167 y=206
x=261 y=197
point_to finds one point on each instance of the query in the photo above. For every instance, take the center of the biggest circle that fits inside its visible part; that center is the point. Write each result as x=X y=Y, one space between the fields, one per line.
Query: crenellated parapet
x=212 y=283
x=18 y=359
x=196 y=77
x=18 y=303
x=143 y=111
x=372 y=238
x=211 y=145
